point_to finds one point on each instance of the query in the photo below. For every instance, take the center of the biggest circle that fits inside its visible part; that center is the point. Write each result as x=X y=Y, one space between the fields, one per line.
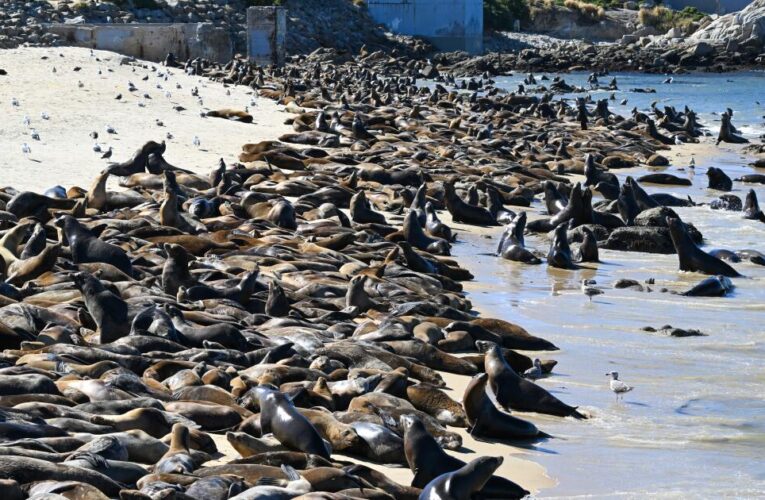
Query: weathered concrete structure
x=151 y=41
x=266 y=34
x=448 y=24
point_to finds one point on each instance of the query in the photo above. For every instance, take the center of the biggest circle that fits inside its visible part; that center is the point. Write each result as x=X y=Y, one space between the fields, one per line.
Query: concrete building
x=448 y=24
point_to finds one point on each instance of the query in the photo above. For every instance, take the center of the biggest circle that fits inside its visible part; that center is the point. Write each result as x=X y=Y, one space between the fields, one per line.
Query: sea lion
x=175 y=270
x=414 y=235
x=691 y=257
x=714 y=286
x=554 y=200
x=85 y=247
x=464 y=212
x=279 y=416
x=511 y=244
x=177 y=460
x=560 y=252
x=428 y=460
x=486 y=421
x=361 y=210
x=662 y=178
x=514 y=392
x=718 y=180
x=752 y=207
x=588 y=250
x=107 y=309
x=21 y=271
x=464 y=482
x=29 y=470
x=434 y=226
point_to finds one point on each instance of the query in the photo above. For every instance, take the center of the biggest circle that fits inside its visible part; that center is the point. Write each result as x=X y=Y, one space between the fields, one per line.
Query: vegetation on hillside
x=500 y=15
x=664 y=19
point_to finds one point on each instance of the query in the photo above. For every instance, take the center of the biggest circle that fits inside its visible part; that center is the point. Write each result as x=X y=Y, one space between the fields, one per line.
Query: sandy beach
x=64 y=154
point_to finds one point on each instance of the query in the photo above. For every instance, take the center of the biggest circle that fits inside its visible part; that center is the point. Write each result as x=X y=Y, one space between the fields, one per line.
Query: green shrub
x=500 y=15
x=665 y=19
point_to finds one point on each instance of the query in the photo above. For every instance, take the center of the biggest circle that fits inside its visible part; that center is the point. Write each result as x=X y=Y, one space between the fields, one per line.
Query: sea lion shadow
x=526 y=444
x=636 y=403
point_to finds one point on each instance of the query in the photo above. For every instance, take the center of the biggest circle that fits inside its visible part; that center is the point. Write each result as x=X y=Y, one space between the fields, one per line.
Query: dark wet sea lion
x=514 y=392
x=560 y=252
x=464 y=482
x=279 y=416
x=434 y=226
x=718 y=180
x=554 y=200
x=463 y=212
x=691 y=257
x=178 y=459
x=511 y=244
x=752 y=207
x=175 y=271
x=588 y=250
x=486 y=421
x=664 y=179
x=427 y=461
x=107 y=309
x=714 y=286
x=414 y=235
x=361 y=210
x=85 y=247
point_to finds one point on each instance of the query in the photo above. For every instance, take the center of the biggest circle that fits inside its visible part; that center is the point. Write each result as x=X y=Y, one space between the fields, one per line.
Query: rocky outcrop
x=738 y=29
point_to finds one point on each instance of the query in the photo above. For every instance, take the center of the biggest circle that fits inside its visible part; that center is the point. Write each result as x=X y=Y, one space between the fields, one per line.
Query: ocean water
x=694 y=427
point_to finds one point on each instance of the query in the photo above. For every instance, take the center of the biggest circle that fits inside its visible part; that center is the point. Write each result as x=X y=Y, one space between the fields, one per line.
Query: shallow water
x=693 y=427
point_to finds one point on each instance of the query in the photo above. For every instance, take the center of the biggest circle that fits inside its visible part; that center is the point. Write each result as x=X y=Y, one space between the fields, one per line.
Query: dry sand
x=65 y=156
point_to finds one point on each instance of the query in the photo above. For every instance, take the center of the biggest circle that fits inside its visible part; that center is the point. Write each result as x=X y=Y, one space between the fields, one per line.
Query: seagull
x=693 y=162
x=27 y=121
x=26 y=149
x=617 y=385
x=110 y=130
x=535 y=371
x=169 y=136
x=96 y=148
x=668 y=80
x=590 y=291
x=107 y=155
x=44 y=116
x=35 y=135
x=94 y=135
x=15 y=102
x=80 y=84
x=196 y=141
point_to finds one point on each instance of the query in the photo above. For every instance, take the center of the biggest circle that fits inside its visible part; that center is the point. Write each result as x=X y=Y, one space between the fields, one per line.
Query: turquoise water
x=694 y=427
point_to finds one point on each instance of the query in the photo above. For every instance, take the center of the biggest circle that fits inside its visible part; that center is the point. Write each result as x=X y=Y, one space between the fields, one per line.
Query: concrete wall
x=448 y=24
x=266 y=35
x=151 y=42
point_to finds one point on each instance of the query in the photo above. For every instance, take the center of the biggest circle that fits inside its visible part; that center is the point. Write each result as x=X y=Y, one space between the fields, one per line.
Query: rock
x=657 y=160
x=640 y=239
x=674 y=332
x=628 y=283
x=701 y=49
x=655 y=217
x=745 y=26
x=576 y=235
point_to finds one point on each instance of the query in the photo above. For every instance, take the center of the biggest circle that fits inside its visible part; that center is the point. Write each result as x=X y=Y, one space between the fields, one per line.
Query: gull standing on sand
x=196 y=141
x=44 y=116
x=96 y=148
x=107 y=155
x=27 y=121
x=590 y=291
x=26 y=149
x=35 y=135
x=619 y=387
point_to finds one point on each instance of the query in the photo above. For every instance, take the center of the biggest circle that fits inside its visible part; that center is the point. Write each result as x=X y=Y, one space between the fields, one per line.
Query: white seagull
x=590 y=291
x=535 y=371
x=26 y=149
x=619 y=387
x=196 y=141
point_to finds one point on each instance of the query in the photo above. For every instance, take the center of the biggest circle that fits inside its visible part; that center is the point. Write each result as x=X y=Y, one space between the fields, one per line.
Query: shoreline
x=223 y=139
